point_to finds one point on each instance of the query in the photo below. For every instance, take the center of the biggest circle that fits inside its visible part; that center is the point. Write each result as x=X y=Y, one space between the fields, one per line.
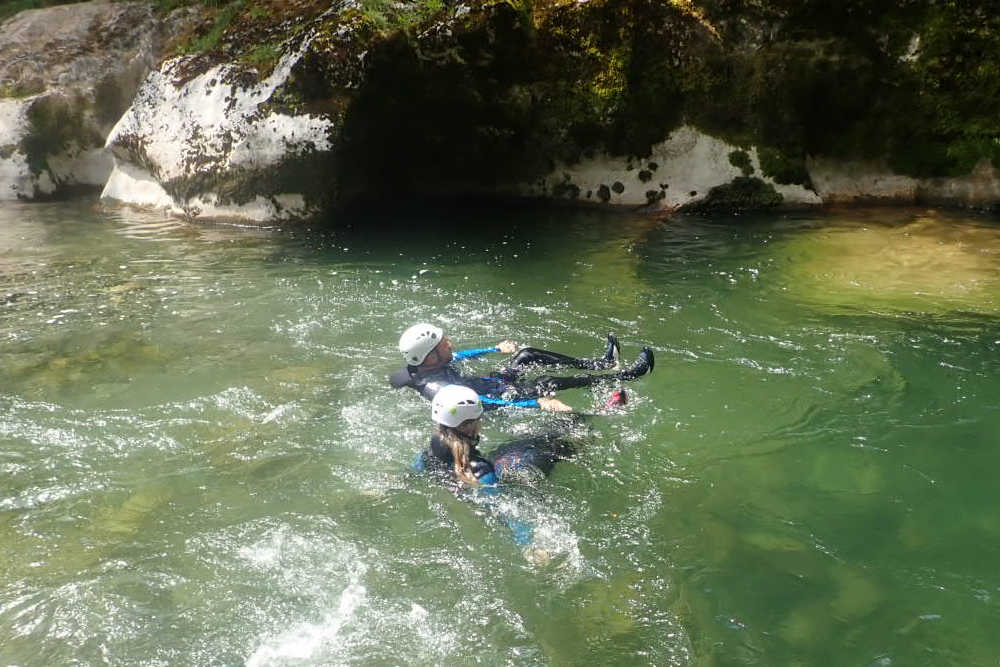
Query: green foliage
x=21 y=89
x=211 y=39
x=849 y=80
x=782 y=168
x=741 y=160
x=389 y=16
x=9 y=8
x=164 y=6
x=957 y=78
x=264 y=56
x=256 y=13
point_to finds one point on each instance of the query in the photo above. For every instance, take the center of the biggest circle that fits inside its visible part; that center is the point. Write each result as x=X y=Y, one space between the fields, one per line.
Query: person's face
x=440 y=355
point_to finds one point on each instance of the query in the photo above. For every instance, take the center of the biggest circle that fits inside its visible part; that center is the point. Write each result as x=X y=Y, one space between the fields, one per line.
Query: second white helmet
x=418 y=341
x=455 y=404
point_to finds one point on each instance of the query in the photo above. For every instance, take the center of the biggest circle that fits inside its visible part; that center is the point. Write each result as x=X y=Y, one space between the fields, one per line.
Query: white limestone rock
x=16 y=179
x=981 y=188
x=680 y=170
x=68 y=73
x=688 y=164
x=849 y=182
x=209 y=147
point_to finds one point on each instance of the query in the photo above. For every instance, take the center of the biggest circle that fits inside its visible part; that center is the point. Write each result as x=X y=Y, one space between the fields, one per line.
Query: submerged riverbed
x=203 y=463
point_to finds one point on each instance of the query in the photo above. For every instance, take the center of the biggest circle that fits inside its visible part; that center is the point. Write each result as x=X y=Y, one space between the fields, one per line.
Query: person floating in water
x=430 y=358
x=453 y=452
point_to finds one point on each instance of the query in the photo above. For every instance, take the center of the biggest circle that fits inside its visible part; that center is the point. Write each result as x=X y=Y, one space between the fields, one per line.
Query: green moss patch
x=54 y=124
x=743 y=194
x=22 y=89
x=741 y=160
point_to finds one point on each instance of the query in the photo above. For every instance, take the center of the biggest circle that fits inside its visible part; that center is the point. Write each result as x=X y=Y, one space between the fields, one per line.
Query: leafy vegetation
x=223 y=17
x=9 y=8
x=390 y=16
x=21 y=89
x=913 y=82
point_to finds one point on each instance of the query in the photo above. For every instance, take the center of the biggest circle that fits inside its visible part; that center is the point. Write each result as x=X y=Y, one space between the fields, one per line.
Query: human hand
x=507 y=346
x=536 y=556
x=553 y=405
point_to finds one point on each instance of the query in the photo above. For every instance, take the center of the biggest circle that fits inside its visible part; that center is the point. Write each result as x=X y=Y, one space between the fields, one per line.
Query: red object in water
x=618 y=397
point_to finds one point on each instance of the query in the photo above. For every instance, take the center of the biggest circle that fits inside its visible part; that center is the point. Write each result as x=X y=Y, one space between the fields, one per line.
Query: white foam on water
x=306 y=640
x=342 y=621
x=552 y=534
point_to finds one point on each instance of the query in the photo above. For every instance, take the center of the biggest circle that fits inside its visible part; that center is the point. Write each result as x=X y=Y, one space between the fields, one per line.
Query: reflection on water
x=203 y=462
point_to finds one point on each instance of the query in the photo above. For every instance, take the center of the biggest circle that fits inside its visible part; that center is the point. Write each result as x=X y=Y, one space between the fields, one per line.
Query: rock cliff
x=67 y=74
x=270 y=110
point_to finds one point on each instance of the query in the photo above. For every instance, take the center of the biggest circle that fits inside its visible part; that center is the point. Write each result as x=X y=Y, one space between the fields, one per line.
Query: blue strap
x=418 y=463
x=461 y=355
x=523 y=532
x=488 y=484
x=525 y=403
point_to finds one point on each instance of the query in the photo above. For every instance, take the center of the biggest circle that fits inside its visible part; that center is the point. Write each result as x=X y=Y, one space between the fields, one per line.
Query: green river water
x=202 y=462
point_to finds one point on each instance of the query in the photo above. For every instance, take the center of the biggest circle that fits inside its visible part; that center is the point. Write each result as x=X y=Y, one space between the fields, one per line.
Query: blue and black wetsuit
x=507 y=386
x=536 y=455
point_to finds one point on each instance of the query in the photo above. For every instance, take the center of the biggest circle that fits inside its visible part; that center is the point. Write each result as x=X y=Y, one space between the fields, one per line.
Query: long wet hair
x=460 y=446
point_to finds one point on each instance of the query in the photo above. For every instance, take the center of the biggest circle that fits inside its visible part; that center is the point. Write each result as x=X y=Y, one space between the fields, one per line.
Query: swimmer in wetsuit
x=453 y=451
x=429 y=355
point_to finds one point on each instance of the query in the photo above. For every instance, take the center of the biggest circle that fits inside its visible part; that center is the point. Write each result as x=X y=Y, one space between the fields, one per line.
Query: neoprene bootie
x=644 y=364
x=614 y=351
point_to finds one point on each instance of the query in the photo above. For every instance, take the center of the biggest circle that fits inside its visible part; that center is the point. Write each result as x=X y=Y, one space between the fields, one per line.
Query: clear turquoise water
x=202 y=462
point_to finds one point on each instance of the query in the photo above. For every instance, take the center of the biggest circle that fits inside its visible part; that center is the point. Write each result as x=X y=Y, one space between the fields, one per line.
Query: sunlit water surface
x=202 y=462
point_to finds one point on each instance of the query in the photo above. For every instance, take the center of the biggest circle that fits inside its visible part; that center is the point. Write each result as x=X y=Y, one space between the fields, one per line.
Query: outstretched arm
x=497 y=402
x=504 y=346
x=522 y=531
x=461 y=355
x=544 y=403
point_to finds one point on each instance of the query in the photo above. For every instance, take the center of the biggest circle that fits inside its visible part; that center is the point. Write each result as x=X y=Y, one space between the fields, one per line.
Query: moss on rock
x=55 y=124
x=741 y=195
x=436 y=98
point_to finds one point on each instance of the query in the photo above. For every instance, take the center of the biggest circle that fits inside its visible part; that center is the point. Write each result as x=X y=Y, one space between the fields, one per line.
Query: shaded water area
x=202 y=462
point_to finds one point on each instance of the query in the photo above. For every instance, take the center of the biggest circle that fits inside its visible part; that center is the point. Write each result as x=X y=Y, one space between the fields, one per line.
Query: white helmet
x=455 y=404
x=418 y=341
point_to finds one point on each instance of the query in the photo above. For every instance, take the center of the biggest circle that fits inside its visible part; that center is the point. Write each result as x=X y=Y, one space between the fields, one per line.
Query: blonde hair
x=460 y=451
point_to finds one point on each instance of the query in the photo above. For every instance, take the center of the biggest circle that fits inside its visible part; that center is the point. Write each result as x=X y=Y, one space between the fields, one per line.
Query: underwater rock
x=719 y=538
x=807 y=625
x=774 y=542
x=923 y=264
x=857 y=595
x=126 y=519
